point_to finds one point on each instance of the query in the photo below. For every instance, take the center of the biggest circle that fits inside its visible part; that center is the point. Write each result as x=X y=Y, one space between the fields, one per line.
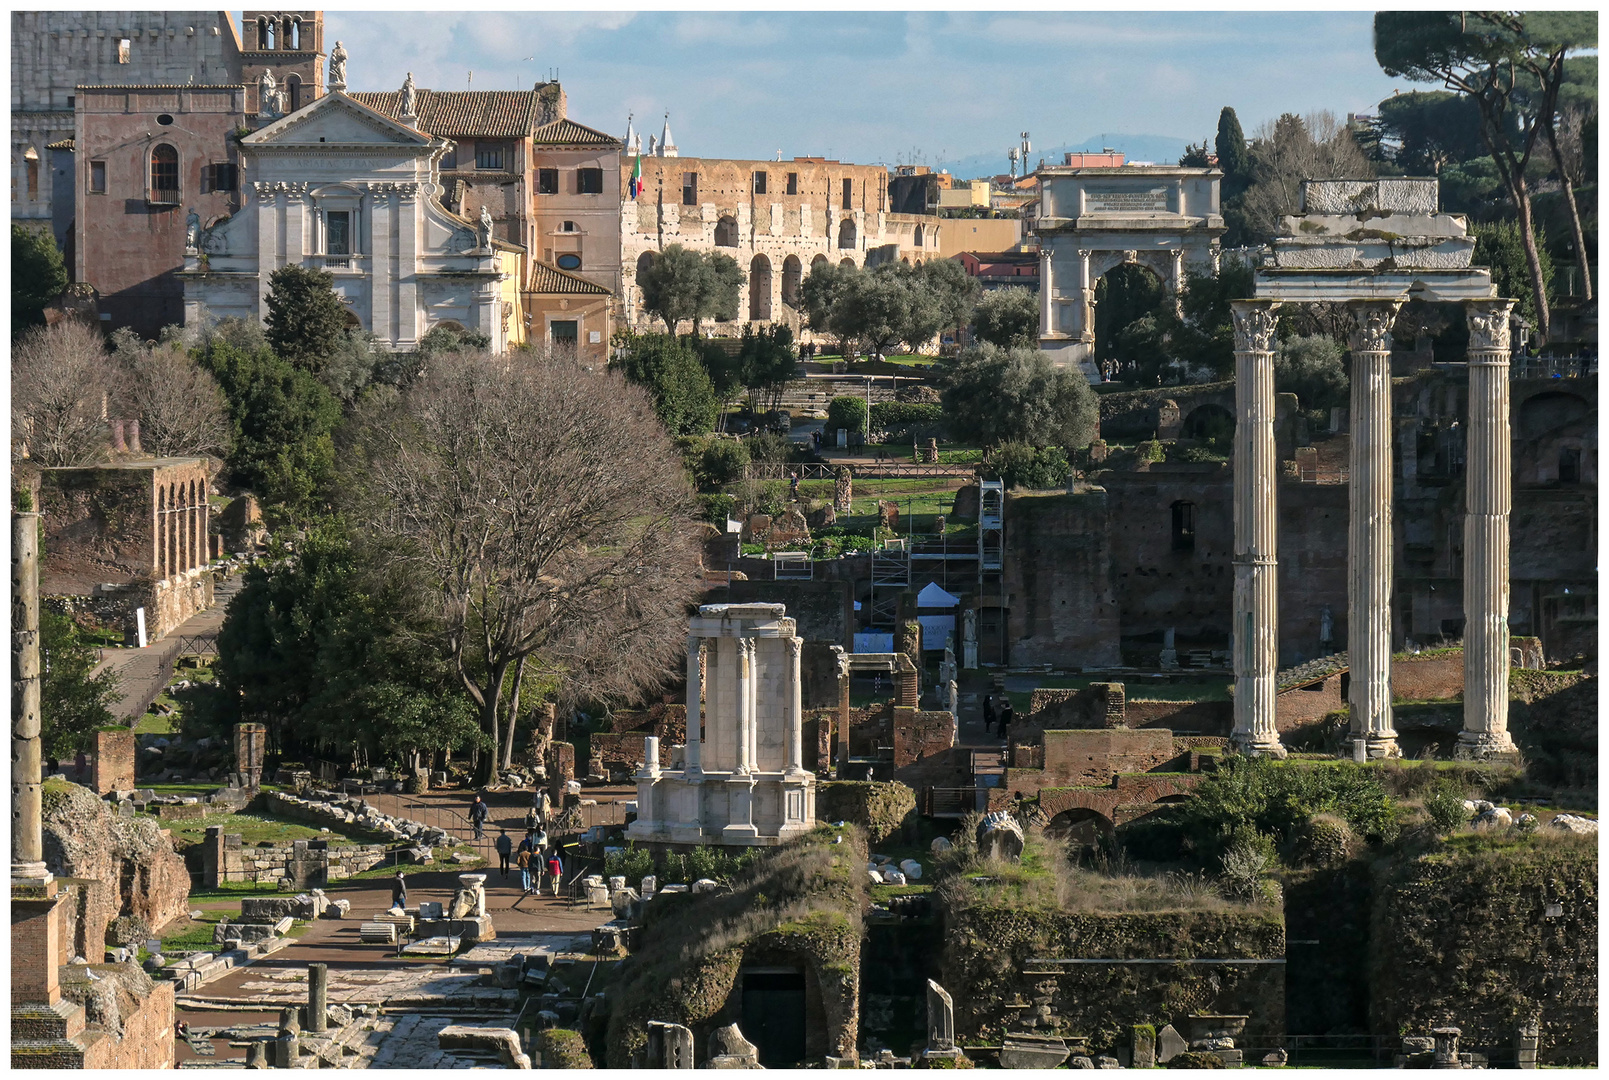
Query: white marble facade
x=1091 y=220
x=340 y=187
x=742 y=780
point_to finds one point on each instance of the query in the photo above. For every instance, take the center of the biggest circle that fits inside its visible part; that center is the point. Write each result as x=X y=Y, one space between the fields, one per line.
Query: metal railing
x=1549 y=367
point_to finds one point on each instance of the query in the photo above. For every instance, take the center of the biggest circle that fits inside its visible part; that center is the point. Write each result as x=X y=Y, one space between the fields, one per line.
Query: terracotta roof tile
x=493 y=114
x=569 y=133
x=550 y=280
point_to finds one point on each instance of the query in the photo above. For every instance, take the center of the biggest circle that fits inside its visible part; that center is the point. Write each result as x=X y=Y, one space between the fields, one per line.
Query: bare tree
x=1291 y=149
x=180 y=406
x=547 y=511
x=59 y=381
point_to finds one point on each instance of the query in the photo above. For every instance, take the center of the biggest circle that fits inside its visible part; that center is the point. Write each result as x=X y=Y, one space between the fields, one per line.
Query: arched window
x=31 y=160
x=726 y=231
x=568 y=226
x=791 y=278
x=285 y=33
x=164 y=174
x=1184 y=526
x=265 y=36
x=294 y=38
x=293 y=92
x=919 y=236
x=760 y=288
x=846 y=233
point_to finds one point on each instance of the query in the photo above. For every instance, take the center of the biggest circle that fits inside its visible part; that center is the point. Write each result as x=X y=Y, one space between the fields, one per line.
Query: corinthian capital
x=1255 y=323
x=1373 y=333
x=1489 y=324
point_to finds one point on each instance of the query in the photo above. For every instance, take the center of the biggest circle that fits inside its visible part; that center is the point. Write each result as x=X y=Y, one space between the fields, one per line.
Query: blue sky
x=933 y=86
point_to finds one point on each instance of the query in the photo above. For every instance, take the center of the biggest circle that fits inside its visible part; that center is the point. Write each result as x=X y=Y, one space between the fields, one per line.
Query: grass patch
x=153 y=724
x=443 y=861
x=253 y=829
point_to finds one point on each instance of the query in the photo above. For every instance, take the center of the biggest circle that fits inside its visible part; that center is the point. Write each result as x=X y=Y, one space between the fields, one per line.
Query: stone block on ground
x=505 y=1042
x=1169 y=1045
x=1021 y=1051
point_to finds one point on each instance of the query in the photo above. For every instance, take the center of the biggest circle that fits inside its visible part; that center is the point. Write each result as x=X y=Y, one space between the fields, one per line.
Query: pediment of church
x=335 y=118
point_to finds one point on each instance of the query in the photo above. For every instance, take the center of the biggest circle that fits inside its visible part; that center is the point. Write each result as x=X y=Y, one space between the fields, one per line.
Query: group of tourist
x=1004 y=716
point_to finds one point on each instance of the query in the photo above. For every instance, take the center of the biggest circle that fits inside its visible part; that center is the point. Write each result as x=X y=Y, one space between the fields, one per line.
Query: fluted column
x=1489 y=496
x=1369 y=536
x=27 y=774
x=1256 y=466
x=795 y=706
x=1047 y=305
x=693 y=758
x=745 y=698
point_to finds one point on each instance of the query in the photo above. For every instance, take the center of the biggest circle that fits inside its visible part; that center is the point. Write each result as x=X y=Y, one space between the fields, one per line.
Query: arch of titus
x=742 y=778
x=1373 y=245
x=1092 y=219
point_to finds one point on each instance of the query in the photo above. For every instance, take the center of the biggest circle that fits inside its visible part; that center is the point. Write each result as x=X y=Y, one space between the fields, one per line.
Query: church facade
x=341 y=187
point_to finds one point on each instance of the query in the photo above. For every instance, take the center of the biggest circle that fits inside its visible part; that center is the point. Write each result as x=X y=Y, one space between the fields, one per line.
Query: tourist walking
x=505 y=848
x=478 y=812
x=555 y=869
x=525 y=858
x=988 y=713
x=399 y=891
x=1005 y=722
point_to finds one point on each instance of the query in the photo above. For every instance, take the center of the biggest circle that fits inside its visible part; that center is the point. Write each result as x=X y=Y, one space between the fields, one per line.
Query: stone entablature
x=1092 y=220
x=742 y=782
x=340 y=187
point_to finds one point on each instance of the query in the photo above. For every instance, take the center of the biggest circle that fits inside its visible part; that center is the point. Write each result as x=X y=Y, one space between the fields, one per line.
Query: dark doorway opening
x=774 y=1016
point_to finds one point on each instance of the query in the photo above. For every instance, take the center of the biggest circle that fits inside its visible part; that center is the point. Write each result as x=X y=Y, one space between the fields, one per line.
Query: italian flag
x=636 y=178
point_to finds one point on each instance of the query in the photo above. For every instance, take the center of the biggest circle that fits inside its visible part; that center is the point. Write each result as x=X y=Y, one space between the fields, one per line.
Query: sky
x=934 y=87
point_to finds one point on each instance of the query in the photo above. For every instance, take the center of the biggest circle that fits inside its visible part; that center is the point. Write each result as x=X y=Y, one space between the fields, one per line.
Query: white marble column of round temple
x=1489 y=497
x=693 y=757
x=1369 y=533
x=1256 y=472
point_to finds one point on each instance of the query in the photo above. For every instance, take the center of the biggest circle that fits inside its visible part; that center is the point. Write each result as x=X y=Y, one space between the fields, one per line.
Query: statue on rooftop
x=337 y=80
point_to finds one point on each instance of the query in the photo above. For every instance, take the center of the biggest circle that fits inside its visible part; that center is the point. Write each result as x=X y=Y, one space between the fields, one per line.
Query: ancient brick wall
x=919 y=735
x=1088 y=758
x=1186 y=717
x=1434 y=678
x=114 y=760
x=1099 y=705
x=1058 y=580
x=145 y=1039
x=1303 y=706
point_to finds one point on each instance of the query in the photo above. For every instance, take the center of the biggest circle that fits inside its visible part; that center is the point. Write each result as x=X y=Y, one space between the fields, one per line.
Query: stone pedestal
x=1369 y=536
x=1256 y=602
x=1489 y=497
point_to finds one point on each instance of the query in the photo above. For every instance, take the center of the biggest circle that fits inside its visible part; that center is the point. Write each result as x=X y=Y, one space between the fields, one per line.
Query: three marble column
x=1370 y=534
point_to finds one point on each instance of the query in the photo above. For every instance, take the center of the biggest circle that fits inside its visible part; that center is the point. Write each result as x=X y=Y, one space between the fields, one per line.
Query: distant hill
x=1161 y=149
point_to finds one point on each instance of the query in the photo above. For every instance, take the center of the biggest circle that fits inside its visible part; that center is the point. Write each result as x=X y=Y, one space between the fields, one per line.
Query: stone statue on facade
x=484 y=232
x=337 y=80
x=409 y=97
x=192 y=232
x=268 y=95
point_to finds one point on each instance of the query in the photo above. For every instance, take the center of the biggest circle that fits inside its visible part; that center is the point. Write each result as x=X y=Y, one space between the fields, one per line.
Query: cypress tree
x=1232 y=156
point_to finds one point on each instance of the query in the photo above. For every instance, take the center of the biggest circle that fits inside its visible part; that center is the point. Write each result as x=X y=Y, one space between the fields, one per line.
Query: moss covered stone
x=882 y=809
x=562 y=1048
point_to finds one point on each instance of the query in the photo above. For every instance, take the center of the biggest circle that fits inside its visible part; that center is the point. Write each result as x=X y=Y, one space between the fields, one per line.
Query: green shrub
x=899 y=415
x=631 y=863
x=847 y=412
x=716 y=508
x=561 y=1048
x=723 y=462
x=1246 y=860
x=1150 y=450
x=1022 y=466
x=1325 y=840
x=1445 y=805
x=1195 y=1059
x=769 y=447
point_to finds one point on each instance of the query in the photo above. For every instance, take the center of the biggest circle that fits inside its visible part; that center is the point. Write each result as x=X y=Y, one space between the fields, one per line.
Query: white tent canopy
x=932 y=596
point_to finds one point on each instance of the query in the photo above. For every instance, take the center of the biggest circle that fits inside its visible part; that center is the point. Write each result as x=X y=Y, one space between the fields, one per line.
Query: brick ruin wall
x=114 y=761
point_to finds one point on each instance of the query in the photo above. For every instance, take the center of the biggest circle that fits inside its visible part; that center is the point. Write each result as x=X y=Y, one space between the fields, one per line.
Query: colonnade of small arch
x=182 y=527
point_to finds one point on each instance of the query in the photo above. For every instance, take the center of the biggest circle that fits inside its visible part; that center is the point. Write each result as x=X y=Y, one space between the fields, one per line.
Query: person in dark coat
x=505 y=848
x=399 y=891
x=988 y=713
x=1005 y=722
x=478 y=812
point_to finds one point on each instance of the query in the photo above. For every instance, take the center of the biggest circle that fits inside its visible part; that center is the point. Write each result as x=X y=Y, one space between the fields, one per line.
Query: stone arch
x=265 y=33
x=792 y=276
x=1209 y=422
x=1080 y=825
x=818 y=262
x=164 y=173
x=904 y=260
x=294 y=38
x=1546 y=411
x=293 y=92
x=353 y=322
x=726 y=231
x=760 y=289
x=162 y=532
x=846 y=262
x=847 y=234
x=286 y=33
x=1124 y=290
x=919 y=236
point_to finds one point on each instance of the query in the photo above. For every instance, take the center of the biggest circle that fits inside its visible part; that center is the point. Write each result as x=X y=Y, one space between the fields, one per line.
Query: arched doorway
x=849 y=263
x=1211 y=424
x=791 y=278
x=726 y=231
x=818 y=262
x=1079 y=827
x=846 y=234
x=1124 y=295
x=760 y=288
x=293 y=91
x=919 y=236
x=1544 y=412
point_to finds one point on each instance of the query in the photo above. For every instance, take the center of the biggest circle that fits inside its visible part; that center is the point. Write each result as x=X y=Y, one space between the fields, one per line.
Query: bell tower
x=291 y=45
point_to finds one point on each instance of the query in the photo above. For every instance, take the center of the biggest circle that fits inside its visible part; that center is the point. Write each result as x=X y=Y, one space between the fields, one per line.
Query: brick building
x=777 y=219
x=146 y=157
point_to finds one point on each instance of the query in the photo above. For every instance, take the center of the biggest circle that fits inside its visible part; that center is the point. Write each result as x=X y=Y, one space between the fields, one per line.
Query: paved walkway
x=146 y=671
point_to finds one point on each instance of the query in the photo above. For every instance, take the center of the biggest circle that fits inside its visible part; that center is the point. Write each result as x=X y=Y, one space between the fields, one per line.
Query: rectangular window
x=97 y=177
x=690 y=189
x=547 y=181
x=122 y=50
x=849 y=193
x=33 y=179
x=449 y=160
x=589 y=181
x=338 y=232
x=488 y=156
x=225 y=177
x=564 y=333
x=759 y=183
x=70 y=100
x=793 y=183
